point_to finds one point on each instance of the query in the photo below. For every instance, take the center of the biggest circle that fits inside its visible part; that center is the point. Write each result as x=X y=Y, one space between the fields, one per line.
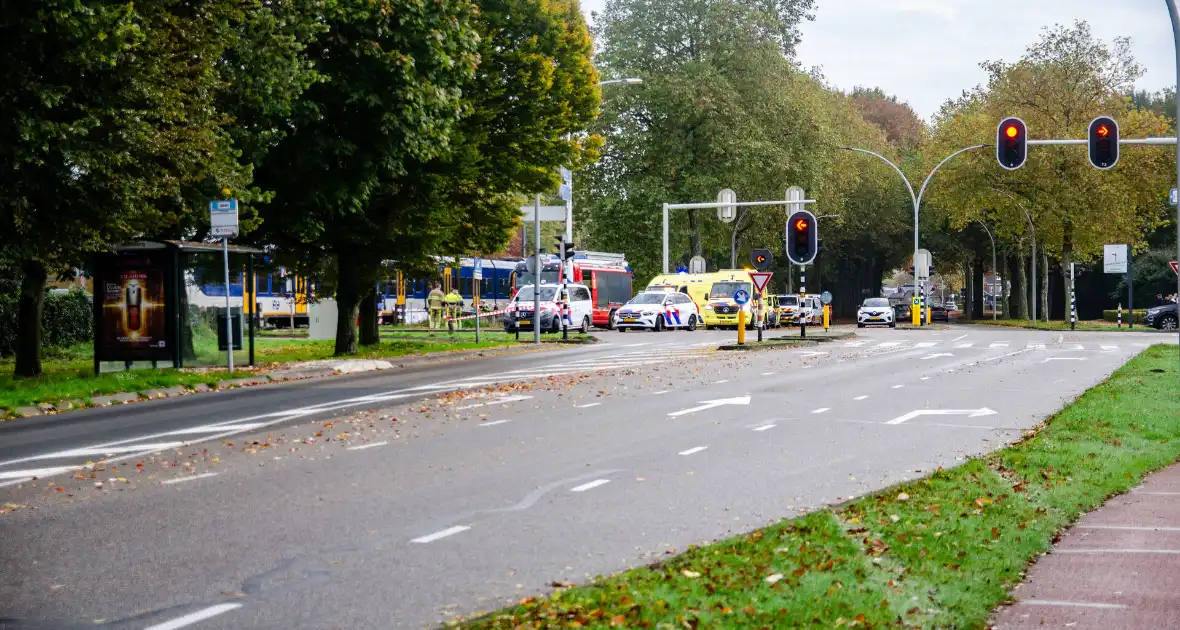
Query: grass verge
x=68 y=374
x=939 y=552
x=1089 y=325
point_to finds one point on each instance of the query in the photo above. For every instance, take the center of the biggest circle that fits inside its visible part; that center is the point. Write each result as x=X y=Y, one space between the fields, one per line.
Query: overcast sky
x=926 y=51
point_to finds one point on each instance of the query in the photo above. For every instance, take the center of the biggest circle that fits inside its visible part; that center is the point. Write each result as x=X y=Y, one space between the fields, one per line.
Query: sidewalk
x=1118 y=567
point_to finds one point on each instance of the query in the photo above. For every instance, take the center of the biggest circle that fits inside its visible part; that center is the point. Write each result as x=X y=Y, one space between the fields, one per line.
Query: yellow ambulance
x=720 y=309
x=694 y=285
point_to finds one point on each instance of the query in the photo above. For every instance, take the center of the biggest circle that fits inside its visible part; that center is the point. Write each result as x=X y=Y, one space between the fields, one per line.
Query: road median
x=942 y=551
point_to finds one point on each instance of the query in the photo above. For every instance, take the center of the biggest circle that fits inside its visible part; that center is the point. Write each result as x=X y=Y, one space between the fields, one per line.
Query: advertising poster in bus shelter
x=133 y=323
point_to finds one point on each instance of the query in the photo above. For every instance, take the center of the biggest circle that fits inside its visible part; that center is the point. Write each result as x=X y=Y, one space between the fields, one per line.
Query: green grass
x=942 y=556
x=68 y=374
x=1054 y=325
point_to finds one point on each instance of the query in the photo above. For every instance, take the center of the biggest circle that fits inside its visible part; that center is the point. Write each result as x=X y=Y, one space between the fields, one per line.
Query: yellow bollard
x=741 y=326
x=827 y=315
x=928 y=321
x=915 y=313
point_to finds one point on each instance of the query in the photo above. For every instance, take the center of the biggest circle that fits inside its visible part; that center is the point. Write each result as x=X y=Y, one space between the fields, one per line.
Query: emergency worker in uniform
x=435 y=302
x=454 y=304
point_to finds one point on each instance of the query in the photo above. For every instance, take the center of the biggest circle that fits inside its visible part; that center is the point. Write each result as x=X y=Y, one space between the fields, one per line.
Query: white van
x=519 y=313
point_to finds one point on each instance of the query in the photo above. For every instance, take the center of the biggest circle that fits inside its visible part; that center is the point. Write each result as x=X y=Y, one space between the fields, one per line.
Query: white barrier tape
x=488 y=314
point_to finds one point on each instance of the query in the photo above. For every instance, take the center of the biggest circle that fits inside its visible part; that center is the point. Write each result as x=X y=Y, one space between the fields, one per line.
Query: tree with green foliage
x=112 y=113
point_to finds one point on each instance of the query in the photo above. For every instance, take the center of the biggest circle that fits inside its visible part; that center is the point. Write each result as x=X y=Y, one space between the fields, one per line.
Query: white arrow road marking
x=970 y=413
x=709 y=404
x=935 y=356
x=1064 y=359
x=450 y=531
x=695 y=449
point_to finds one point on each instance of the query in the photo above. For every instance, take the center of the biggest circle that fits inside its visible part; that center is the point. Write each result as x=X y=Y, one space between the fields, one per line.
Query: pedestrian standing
x=434 y=302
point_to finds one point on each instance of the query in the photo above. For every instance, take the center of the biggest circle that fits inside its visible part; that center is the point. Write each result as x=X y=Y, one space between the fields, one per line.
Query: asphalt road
x=403 y=499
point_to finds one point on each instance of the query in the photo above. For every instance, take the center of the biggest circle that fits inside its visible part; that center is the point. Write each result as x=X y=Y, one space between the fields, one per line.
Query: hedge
x=68 y=318
x=1112 y=315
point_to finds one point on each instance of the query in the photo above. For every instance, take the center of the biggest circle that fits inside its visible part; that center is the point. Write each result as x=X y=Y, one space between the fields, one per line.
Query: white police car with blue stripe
x=657 y=310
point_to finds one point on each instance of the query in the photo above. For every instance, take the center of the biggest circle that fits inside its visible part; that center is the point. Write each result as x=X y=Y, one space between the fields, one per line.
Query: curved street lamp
x=995 y=299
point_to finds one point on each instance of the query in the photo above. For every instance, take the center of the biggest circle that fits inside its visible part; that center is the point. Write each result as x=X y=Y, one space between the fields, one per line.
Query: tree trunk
x=977 y=291
x=1044 y=288
x=1066 y=258
x=30 y=307
x=370 y=333
x=1001 y=298
x=694 y=234
x=348 y=298
x=1022 y=278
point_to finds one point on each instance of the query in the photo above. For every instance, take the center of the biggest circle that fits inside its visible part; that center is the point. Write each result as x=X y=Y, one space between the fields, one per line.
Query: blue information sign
x=741 y=296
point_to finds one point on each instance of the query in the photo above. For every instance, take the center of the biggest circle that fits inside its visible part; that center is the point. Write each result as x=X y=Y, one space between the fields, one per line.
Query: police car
x=657 y=310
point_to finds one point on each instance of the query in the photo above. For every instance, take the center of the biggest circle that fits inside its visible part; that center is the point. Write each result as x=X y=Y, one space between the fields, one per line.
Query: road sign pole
x=1073 y=300
x=537 y=271
x=229 y=335
x=1130 y=289
x=802 y=296
x=1176 y=37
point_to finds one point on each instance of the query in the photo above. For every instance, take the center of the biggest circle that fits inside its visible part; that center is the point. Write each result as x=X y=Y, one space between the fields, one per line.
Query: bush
x=1112 y=315
x=68 y=318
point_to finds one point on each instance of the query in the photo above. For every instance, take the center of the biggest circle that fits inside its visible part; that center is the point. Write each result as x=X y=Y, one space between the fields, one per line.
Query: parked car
x=519 y=313
x=875 y=312
x=939 y=314
x=657 y=310
x=1163 y=317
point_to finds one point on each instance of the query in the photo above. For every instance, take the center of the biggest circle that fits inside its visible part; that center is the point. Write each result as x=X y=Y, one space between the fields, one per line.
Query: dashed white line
x=958 y=338
x=860 y=398
x=194 y=617
x=999 y=344
x=926 y=344
x=897 y=386
x=1054 y=602
x=36 y=472
x=450 y=531
x=494 y=423
x=15 y=482
x=587 y=405
x=662 y=391
x=721 y=382
x=768 y=373
x=362 y=447
x=695 y=449
x=765 y=427
x=965 y=344
x=822 y=410
x=1110 y=348
x=593 y=484
x=190 y=478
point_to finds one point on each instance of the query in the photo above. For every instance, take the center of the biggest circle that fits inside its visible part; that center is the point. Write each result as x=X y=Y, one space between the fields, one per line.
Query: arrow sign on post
x=709 y=404
x=760 y=280
x=970 y=413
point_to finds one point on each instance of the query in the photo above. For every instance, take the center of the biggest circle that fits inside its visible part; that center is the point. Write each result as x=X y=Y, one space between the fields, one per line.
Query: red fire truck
x=607 y=276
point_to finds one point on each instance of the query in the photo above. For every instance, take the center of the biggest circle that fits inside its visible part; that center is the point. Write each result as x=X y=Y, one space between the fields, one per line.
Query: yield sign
x=761 y=279
x=1175 y=267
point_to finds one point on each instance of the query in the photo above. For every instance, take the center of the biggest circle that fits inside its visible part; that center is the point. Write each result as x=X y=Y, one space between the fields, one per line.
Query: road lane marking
x=721 y=382
x=888 y=344
x=924 y=378
x=501 y=401
x=959 y=338
x=36 y=472
x=855 y=344
x=195 y=617
x=822 y=410
x=450 y=531
x=593 y=484
x=493 y=423
x=937 y=355
x=1055 y=602
x=101 y=451
x=1167 y=552
x=15 y=482
x=662 y=391
x=1064 y=359
x=860 y=398
x=1132 y=528
x=587 y=405
x=998 y=344
x=768 y=374
x=970 y=413
x=1077 y=347
x=812 y=353
x=1109 y=348
x=636 y=345
x=190 y=478
x=897 y=386
x=1032 y=345
x=695 y=449
x=765 y=427
x=214 y=429
x=362 y=447
x=965 y=344
x=926 y=344
x=709 y=404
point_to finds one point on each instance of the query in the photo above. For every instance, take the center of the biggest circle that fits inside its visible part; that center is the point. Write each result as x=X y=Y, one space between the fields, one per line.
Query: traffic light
x=802 y=237
x=1104 y=142
x=565 y=251
x=1012 y=143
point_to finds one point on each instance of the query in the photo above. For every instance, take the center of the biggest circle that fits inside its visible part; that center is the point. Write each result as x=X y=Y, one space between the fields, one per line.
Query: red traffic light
x=1011 y=143
x=1103 y=131
x=1104 y=142
x=1011 y=131
x=801 y=224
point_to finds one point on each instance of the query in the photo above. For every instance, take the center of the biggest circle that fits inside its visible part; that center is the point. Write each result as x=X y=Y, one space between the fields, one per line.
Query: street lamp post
x=1033 y=226
x=917 y=199
x=569 y=203
x=1176 y=37
x=995 y=300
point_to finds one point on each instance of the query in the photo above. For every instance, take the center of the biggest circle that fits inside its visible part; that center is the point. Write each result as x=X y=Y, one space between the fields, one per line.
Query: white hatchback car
x=657 y=310
x=875 y=311
x=519 y=313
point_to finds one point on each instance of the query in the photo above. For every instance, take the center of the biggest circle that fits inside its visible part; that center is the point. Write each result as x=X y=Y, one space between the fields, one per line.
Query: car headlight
x=708 y=307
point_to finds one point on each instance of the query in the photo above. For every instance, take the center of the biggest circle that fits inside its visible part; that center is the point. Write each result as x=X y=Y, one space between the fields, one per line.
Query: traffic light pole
x=714 y=204
x=1176 y=37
